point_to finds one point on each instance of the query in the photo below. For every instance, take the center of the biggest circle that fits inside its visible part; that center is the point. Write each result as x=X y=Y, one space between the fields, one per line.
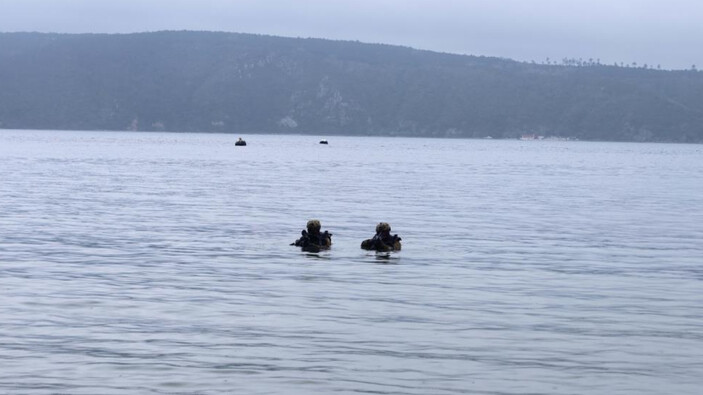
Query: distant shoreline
x=331 y=136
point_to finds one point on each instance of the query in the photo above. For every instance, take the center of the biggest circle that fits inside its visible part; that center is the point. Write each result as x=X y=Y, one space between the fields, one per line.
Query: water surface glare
x=159 y=263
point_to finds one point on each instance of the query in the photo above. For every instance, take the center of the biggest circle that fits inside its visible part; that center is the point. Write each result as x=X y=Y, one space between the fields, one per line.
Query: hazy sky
x=654 y=32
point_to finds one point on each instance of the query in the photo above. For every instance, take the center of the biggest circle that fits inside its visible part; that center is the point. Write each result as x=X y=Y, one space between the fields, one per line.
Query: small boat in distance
x=240 y=142
x=323 y=142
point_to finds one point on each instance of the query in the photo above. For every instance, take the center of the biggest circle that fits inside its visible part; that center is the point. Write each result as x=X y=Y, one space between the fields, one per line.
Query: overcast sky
x=654 y=32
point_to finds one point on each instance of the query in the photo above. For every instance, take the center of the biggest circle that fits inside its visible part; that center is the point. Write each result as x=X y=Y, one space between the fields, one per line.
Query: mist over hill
x=241 y=83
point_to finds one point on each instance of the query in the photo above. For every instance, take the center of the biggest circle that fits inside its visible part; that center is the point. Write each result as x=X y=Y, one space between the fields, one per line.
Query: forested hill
x=240 y=83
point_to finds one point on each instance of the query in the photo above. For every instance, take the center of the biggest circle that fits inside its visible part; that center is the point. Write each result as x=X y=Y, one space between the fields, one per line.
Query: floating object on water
x=240 y=142
x=323 y=142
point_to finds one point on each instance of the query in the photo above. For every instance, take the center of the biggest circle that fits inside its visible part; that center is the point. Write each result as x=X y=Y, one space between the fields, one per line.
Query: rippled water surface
x=160 y=263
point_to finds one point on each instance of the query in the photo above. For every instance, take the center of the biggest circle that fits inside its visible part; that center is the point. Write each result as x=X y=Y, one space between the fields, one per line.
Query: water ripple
x=160 y=263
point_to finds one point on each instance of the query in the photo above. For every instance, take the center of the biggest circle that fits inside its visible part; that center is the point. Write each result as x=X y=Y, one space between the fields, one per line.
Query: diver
x=312 y=240
x=382 y=240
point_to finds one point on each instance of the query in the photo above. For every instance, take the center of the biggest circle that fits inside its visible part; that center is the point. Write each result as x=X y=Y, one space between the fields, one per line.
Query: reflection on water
x=160 y=263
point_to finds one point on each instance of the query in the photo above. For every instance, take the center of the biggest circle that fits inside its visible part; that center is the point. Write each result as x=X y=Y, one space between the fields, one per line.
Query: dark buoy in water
x=240 y=142
x=323 y=142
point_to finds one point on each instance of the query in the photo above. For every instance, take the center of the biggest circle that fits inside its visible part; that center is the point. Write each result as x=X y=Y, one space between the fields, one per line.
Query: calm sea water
x=160 y=263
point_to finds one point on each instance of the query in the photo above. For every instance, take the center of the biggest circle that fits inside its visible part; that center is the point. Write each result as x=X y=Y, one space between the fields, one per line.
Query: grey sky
x=654 y=32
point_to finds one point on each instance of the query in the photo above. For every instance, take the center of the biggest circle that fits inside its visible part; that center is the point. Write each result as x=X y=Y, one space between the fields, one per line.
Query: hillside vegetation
x=240 y=83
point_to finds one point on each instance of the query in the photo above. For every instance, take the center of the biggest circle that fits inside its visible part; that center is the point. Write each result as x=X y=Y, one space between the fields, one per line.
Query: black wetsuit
x=314 y=242
x=382 y=241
